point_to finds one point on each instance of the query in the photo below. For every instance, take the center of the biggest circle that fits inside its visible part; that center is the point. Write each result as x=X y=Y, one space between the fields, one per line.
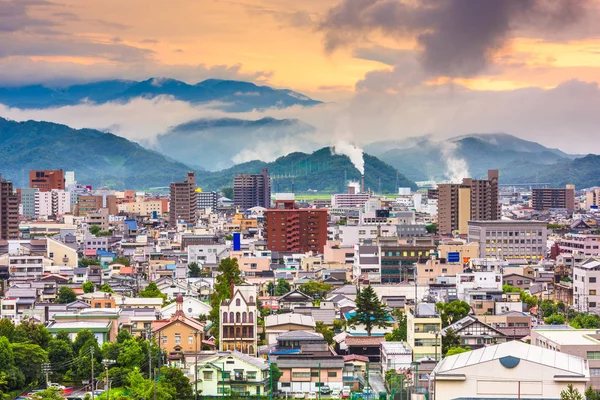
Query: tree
x=131 y=354
x=227 y=192
x=52 y=393
x=105 y=288
x=548 y=308
x=29 y=331
x=88 y=287
x=7 y=357
x=86 y=262
x=370 y=312
x=324 y=330
x=194 y=270
x=152 y=291
x=555 y=319
x=66 y=295
x=60 y=353
x=122 y=260
x=432 y=229
x=452 y=311
x=229 y=272
x=29 y=358
x=176 y=378
x=315 y=289
x=7 y=328
x=570 y=393
x=282 y=287
x=123 y=335
x=95 y=229
x=276 y=373
x=82 y=337
x=591 y=394
x=449 y=340
x=338 y=325
x=457 y=350
x=400 y=333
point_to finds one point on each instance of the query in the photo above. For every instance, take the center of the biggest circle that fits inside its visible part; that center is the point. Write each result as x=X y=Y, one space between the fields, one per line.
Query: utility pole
x=195 y=333
x=92 y=359
x=270 y=377
x=106 y=363
x=46 y=371
x=319 y=381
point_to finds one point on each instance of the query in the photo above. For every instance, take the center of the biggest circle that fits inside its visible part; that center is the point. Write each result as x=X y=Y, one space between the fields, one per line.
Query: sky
x=387 y=69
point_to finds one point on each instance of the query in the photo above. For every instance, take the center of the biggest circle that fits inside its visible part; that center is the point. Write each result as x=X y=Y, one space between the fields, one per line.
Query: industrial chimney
x=362 y=184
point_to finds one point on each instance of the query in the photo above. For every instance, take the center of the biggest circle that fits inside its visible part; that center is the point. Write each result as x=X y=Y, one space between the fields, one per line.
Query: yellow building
x=423 y=331
x=60 y=253
x=244 y=223
x=465 y=250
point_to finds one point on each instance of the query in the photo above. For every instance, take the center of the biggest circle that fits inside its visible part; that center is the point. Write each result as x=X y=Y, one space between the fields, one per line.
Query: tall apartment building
x=586 y=286
x=548 y=198
x=510 y=239
x=46 y=180
x=251 y=190
x=473 y=199
x=91 y=203
x=183 y=203
x=207 y=200
x=9 y=211
x=238 y=322
x=27 y=201
x=592 y=198
x=289 y=229
x=54 y=202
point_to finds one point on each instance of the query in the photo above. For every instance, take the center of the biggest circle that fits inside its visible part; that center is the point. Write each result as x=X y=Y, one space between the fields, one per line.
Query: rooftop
x=567 y=336
x=395 y=348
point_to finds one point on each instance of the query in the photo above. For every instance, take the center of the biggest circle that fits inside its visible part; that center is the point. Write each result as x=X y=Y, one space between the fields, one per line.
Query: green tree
x=152 y=291
x=51 y=393
x=105 y=288
x=123 y=335
x=88 y=287
x=324 y=330
x=452 y=311
x=227 y=192
x=548 y=308
x=29 y=358
x=176 y=378
x=229 y=272
x=66 y=295
x=81 y=339
x=555 y=319
x=194 y=270
x=276 y=373
x=95 y=229
x=86 y=262
x=29 y=331
x=123 y=260
x=338 y=325
x=315 y=289
x=131 y=354
x=591 y=394
x=432 y=229
x=7 y=328
x=7 y=357
x=60 y=353
x=64 y=336
x=449 y=340
x=570 y=393
x=282 y=287
x=457 y=350
x=370 y=312
x=400 y=333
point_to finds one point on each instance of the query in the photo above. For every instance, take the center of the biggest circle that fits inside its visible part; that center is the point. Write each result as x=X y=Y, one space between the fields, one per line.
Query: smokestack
x=351 y=189
x=362 y=184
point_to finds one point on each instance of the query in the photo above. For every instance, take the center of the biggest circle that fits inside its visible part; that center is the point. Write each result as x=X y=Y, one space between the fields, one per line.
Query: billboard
x=453 y=257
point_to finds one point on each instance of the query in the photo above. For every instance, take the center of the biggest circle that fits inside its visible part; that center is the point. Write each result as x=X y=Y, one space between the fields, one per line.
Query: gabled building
x=294 y=299
x=474 y=333
x=238 y=322
x=277 y=324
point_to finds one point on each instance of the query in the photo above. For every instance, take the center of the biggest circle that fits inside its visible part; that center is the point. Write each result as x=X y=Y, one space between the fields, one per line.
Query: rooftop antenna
x=292 y=184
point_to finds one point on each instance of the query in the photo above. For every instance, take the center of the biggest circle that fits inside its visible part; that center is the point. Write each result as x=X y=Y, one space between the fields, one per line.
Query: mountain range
x=227 y=95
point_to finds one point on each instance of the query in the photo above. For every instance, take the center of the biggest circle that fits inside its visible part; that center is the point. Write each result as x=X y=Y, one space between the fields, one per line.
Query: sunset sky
x=386 y=57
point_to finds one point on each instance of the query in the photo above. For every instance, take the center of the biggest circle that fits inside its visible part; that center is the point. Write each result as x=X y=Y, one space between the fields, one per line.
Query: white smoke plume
x=456 y=167
x=353 y=152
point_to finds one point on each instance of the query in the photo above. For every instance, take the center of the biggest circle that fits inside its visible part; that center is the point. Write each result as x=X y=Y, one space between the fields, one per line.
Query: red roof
x=356 y=357
x=89 y=252
x=364 y=340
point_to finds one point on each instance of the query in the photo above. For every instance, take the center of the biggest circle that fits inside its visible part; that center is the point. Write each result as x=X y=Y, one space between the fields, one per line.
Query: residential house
x=277 y=324
x=294 y=299
x=102 y=322
x=395 y=356
x=192 y=306
x=238 y=322
x=518 y=281
x=368 y=346
x=474 y=333
x=423 y=325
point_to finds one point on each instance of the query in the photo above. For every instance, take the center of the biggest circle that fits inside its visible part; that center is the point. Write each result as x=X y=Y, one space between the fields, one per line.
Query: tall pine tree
x=370 y=312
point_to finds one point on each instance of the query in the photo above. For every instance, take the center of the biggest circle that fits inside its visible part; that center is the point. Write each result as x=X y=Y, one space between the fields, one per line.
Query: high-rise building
x=46 y=180
x=207 y=200
x=473 y=199
x=9 y=211
x=55 y=202
x=183 y=203
x=27 y=201
x=91 y=203
x=548 y=198
x=251 y=190
x=289 y=229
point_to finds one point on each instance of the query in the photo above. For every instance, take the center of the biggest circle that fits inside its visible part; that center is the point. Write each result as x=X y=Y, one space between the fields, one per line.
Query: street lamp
x=437 y=334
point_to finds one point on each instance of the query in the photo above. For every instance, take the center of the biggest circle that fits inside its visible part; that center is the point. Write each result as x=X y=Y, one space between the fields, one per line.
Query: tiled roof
x=364 y=340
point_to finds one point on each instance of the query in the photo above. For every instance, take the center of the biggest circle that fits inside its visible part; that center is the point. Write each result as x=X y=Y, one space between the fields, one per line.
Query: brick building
x=9 y=211
x=548 y=198
x=183 y=203
x=46 y=180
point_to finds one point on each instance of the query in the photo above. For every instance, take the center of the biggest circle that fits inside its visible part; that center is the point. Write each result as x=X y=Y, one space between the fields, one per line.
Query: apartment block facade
x=46 y=180
x=510 y=239
x=53 y=202
x=586 y=286
x=549 y=198
x=473 y=199
x=183 y=203
x=207 y=200
x=9 y=211
x=251 y=190
x=581 y=245
x=87 y=204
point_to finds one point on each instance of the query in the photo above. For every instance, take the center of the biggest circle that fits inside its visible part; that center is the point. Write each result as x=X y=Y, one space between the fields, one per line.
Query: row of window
x=313 y=374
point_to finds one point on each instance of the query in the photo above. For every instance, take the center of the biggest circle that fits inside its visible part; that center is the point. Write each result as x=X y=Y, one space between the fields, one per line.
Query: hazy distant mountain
x=425 y=159
x=320 y=171
x=96 y=157
x=213 y=143
x=234 y=95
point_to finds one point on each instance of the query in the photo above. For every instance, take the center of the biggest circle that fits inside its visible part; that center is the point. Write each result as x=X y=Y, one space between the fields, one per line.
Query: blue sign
x=453 y=257
x=237 y=241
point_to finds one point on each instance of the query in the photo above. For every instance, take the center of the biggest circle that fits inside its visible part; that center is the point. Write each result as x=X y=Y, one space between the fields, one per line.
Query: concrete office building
x=289 y=229
x=46 y=180
x=586 y=286
x=509 y=239
x=91 y=203
x=9 y=211
x=549 y=198
x=54 y=202
x=183 y=203
x=471 y=200
x=27 y=201
x=251 y=190
x=207 y=200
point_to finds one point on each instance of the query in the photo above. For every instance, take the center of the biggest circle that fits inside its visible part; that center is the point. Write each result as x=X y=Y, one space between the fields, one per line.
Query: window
x=208 y=375
x=592 y=279
x=251 y=375
x=237 y=302
x=177 y=338
x=164 y=339
x=285 y=384
x=303 y=374
x=592 y=292
x=594 y=371
x=592 y=304
x=593 y=355
x=314 y=374
x=190 y=340
x=332 y=374
x=444 y=270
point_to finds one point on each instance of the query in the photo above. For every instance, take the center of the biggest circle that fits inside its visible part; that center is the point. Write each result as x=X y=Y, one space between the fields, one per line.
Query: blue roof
x=170 y=267
x=131 y=224
x=350 y=314
x=104 y=253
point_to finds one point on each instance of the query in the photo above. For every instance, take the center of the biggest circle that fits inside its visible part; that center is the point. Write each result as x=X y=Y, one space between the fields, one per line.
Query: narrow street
x=376 y=382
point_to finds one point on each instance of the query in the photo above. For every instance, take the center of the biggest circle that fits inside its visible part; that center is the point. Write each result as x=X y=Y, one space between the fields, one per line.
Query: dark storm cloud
x=456 y=37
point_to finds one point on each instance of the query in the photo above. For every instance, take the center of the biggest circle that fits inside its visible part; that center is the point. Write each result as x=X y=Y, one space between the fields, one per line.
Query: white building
x=509 y=370
x=395 y=356
x=367 y=263
x=192 y=307
x=350 y=235
x=586 y=286
x=238 y=322
x=55 y=202
x=207 y=253
x=477 y=281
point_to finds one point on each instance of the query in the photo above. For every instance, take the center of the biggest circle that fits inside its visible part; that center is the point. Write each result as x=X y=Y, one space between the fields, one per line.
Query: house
x=231 y=373
x=102 y=322
x=280 y=323
x=518 y=281
x=509 y=370
x=238 y=322
x=422 y=330
x=80 y=275
x=192 y=306
x=294 y=299
x=474 y=333
x=368 y=346
x=307 y=372
x=395 y=356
